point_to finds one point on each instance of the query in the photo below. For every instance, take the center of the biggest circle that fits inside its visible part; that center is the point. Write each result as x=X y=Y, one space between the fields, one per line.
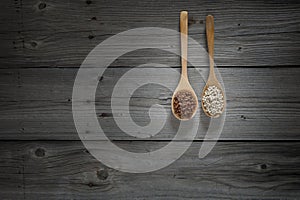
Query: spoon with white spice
x=213 y=99
x=184 y=99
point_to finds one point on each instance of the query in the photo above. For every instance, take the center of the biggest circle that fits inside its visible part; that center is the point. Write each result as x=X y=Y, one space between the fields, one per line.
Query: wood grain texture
x=61 y=34
x=233 y=170
x=257 y=48
x=262 y=103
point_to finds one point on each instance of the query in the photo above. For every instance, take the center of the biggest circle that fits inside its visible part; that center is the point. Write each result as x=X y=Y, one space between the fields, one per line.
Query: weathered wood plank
x=35 y=104
x=11 y=172
x=233 y=170
x=61 y=34
x=263 y=104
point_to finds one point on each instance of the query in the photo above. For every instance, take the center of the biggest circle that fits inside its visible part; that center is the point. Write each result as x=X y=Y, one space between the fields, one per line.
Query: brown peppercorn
x=184 y=104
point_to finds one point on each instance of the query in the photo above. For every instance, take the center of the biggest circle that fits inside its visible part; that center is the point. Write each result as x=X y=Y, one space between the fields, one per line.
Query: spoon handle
x=184 y=41
x=210 y=43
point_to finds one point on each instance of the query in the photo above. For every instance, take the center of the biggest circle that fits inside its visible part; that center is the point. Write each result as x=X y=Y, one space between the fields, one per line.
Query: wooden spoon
x=212 y=79
x=184 y=99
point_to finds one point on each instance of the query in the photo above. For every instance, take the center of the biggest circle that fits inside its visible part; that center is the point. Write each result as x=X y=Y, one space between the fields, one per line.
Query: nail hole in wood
x=240 y=48
x=94 y=18
x=40 y=152
x=33 y=44
x=102 y=115
x=91 y=37
x=263 y=166
x=102 y=174
x=191 y=21
x=90 y=184
x=88 y=2
x=243 y=117
x=42 y=6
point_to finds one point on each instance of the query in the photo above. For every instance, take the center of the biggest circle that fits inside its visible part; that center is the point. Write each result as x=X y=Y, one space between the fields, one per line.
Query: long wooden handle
x=184 y=41
x=210 y=41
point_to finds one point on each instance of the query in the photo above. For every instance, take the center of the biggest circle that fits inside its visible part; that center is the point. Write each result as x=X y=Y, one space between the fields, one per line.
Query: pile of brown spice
x=184 y=104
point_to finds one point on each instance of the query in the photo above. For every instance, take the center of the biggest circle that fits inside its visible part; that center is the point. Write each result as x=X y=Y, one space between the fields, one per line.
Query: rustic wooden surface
x=36 y=104
x=233 y=170
x=257 y=48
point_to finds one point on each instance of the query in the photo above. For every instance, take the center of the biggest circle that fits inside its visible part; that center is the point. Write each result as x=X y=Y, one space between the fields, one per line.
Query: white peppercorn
x=213 y=101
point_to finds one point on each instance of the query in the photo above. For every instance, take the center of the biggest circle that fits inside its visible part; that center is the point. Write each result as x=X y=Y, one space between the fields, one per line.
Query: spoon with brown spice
x=213 y=99
x=184 y=99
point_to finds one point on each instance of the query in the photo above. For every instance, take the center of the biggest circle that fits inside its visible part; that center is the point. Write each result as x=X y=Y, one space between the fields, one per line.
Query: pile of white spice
x=213 y=101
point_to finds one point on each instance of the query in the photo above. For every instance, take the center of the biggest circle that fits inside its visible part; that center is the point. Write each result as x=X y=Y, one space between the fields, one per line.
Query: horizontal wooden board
x=262 y=103
x=61 y=34
x=233 y=170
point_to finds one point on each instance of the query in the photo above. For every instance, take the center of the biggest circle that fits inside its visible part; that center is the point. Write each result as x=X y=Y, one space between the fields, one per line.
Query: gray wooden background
x=43 y=43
